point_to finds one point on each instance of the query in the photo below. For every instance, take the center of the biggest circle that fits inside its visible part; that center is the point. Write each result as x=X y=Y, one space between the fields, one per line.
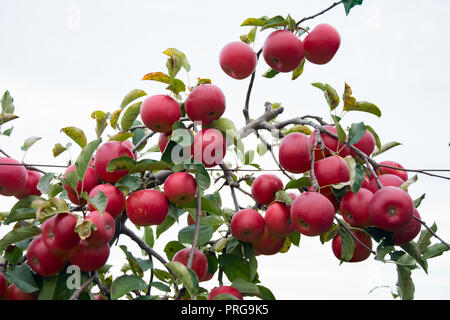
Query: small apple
x=225 y=290
x=163 y=140
x=116 y=199
x=159 y=112
x=264 y=188
x=58 y=232
x=104 y=231
x=408 y=232
x=199 y=262
x=209 y=147
x=283 y=51
x=294 y=153
x=130 y=145
x=330 y=171
x=355 y=208
x=30 y=186
x=3 y=287
x=321 y=44
x=13 y=177
x=205 y=104
x=108 y=151
x=400 y=173
x=386 y=180
x=268 y=243
x=89 y=258
x=238 y=60
x=180 y=188
x=42 y=259
x=366 y=144
x=147 y=207
x=330 y=143
x=14 y=293
x=90 y=180
x=361 y=253
x=247 y=225
x=278 y=219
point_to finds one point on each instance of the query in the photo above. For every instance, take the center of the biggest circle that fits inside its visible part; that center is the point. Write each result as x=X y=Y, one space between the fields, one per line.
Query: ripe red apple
x=387 y=180
x=209 y=147
x=247 y=225
x=180 y=188
x=90 y=180
x=408 y=232
x=361 y=253
x=147 y=207
x=321 y=44
x=159 y=112
x=283 y=51
x=105 y=227
x=3 y=286
x=130 y=145
x=99 y=297
x=14 y=293
x=330 y=171
x=400 y=173
x=199 y=262
x=116 y=199
x=294 y=153
x=365 y=182
x=108 y=151
x=30 y=186
x=268 y=243
x=225 y=290
x=330 y=143
x=58 y=232
x=89 y=258
x=13 y=177
x=391 y=208
x=355 y=208
x=43 y=260
x=278 y=219
x=312 y=213
x=264 y=188
x=163 y=140
x=238 y=60
x=366 y=144
x=205 y=103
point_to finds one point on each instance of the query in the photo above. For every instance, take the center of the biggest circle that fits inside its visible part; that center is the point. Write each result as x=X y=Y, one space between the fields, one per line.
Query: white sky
x=62 y=60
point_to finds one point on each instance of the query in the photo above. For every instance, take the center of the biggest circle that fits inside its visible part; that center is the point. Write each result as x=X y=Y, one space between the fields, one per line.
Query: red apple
x=330 y=143
x=163 y=140
x=116 y=199
x=264 y=188
x=147 y=207
x=283 y=51
x=400 y=173
x=3 y=287
x=268 y=243
x=13 y=177
x=278 y=219
x=321 y=44
x=312 y=213
x=225 y=290
x=391 y=208
x=365 y=182
x=238 y=60
x=361 y=253
x=408 y=232
x=209 y=147
x=159 y=112
x=205 y=104
x=14 y=293
x=89 y=258
x=355 y=208
x=107 y=152
x=43 y=260
x=199 y=262
x=130 y=145
x=294 y=153
x=90 y=180
x=247 y=225
x=180 y=188
x=30 y=186
x=58 y=232
x=104 y=231
x=387 y=180
x=366 y=144
x=331 y=171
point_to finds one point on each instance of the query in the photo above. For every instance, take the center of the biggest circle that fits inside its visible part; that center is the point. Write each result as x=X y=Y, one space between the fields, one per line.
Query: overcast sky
x=62 y=60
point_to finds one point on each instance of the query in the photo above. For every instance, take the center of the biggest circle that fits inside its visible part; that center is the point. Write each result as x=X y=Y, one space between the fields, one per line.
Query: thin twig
x=196 y=230
x=318 y=14
x=77 y=293
x=432 y=232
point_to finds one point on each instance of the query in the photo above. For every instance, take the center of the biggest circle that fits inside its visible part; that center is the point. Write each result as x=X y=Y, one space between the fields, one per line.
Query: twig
x=196 y=229
x=249 y=91
x=229 y=178
x=77 y=293
x=432 y=232
x=142 y=141
x=100 y=285
x=318 y=14
x=353 y=236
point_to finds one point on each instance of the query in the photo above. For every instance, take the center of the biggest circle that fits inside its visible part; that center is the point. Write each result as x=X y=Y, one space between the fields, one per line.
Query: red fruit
x=330 y=171
x=365 y=182
x=264 y=188
x=408 y=232
x=294 y=153
x=247 y=225
x=283 y=51
x=361 y=253
x=208 y=277
x=43 y=260
x=330 y=143
x=355 y=208
x=225 y=290
x=13 y=177
x=163 y=140
x=3 y=286
x=278 y=219
x=321 y=44
x=105 y=228
x=99 y=297
x=199 y=262
x=160 y=112
x=30 y=186
x=130 y=145
x=238 y=60
x=14 y=293
x=205 y=103
x=116 y=199
x=366 y=144
x=90 y=180
x=147 y=207
x=89 y=258
x=400 y=173
x=209 y=147
x=107 y=152
x=387 y=180
x=59 y=234
x=312 y=213
x=269 y=243
x=391 y=208
x=180 y=188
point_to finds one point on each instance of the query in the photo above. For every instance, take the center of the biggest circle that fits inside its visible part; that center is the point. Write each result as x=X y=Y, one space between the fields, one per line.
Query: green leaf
x=149 y=165
x=358 y=179
x=44 y=182
x=149 y=238
x=173 y=247
x=126 y=283
x=299 y=70
x=29 y=142
x=349 y=4
x=187 y=277
x=129 y=183
x=298 y=183
x=22 y=210
x=163 y=276
x=13 y=255
x=176 y=86
x=99 y=201
x=22 y=277
x=186 y=235
x=347 y=245
x=58 y=149
x=385 y=147
x=76 y=135
x=295 y=238
x=181 y=135
x=270 y=73
x=356 y=132
x=234 y=266
x=7 y=103
x=425 y=238
x=19 y=234
x=132 y=262
x=8 y=132
x=160 y=286
x=414 y=251
x=405 y=285
x=249 y=156
x=6 y=117
x=418 y=201
x=206 y=205
x=245 y=287
x=114 y=118
x=253 y=22
x=130 y=114
x=167 y=223
x=330 y=94
x=252 y=35
x=84 y=228
x=157 y=76
x=130 y=97
x=121 y=136
x=179 y=57
x=83 y=160
x=101 y=121
x=435 y=250
x=342 y=136
x=277 y=21
x=375 y=135
x=330 y=234
x=56 y=288
x=283 y=196
x=121 y=163
x=265 y=293
x=365 y=106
